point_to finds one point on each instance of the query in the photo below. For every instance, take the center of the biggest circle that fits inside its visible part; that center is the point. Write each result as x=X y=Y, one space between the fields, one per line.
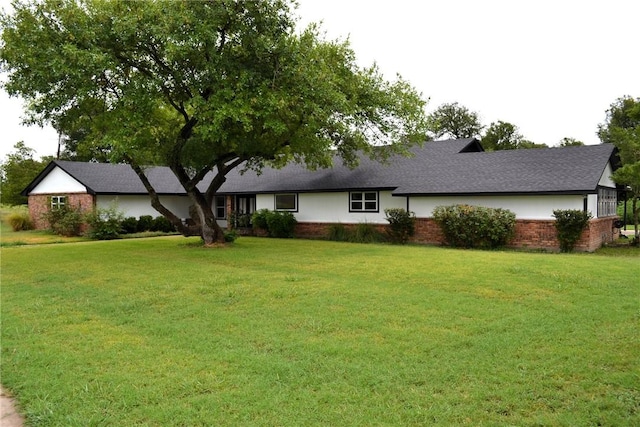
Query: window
x=221 y=207
x=607 y=202
x=286 y=202
x=363 y=201
x=58 y=202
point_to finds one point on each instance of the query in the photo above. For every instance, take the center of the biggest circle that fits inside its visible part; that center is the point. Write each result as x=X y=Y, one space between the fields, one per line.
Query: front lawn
x=293 y=332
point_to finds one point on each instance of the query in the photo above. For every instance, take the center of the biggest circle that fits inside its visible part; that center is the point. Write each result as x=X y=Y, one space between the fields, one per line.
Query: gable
x=58 y=181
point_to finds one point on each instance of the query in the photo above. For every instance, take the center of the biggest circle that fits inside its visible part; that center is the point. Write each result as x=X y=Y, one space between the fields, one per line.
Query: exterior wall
x=58 y=182
x=530 y=234
x=139 y=205
x=525 y=207
x=605 y=179
x=334 y=207
x=39 y=204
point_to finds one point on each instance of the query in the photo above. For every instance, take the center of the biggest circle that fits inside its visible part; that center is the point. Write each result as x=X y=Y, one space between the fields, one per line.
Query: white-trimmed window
x=607 y=202
x=221 y=207
x=58 y=202
x=286 y=202
x=363 y=201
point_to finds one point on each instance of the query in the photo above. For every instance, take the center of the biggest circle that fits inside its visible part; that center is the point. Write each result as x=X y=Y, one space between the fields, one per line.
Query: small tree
x=570 y=224
x=454 y=121
x=402 y=225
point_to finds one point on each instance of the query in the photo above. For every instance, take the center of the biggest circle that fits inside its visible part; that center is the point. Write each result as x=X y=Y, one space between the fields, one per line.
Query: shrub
x=20 y=221
x=475 y=226
x=570 y=224
x=402 y=225
x=162 y=224
x=281 y=224
x=145 y=223
x=65 y=221
x=259 y=219
x=366 y=233
x=339 y=233
x=105 y=224
x=276 y=223
x=129 y=225
x=230 y=236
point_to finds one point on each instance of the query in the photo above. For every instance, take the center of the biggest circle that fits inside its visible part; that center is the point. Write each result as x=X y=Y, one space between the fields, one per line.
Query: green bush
x=145 y=223
x=339 y=233
x=475 y=226
x=276 y=223
x=259 y=219
x=570 y=224
x=402 y=225
x=66 y=221
x=365 y=232
x=129 y=225
x=20 y=221
x=230 y=236
x=105 y=224
x=162 y=224
x=629 y=218
x=281 y=224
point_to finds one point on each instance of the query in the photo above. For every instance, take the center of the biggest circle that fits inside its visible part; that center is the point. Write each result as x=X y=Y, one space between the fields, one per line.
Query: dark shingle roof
x=437 y=168
x=440 y=168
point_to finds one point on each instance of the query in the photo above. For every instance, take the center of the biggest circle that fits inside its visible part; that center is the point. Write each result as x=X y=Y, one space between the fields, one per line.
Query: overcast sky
x=550 y=67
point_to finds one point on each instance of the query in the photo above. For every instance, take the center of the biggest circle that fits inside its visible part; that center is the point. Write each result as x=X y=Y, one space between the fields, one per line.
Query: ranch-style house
x=531 y=183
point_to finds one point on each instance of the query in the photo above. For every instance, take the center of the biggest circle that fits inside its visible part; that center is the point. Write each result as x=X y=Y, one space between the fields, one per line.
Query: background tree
x=502 y=136
x=17 y=170
x=570 y=142
x=622 y=128
x=203 y=87
x=454 y=121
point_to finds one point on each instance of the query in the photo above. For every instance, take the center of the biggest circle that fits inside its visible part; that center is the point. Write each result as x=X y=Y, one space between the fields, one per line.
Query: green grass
x=267 y=332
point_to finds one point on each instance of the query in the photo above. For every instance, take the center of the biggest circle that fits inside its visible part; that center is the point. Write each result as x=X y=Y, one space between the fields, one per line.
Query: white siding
x=605 y=179
x=525 y=207
x=58 y=181
x=137 y=206
x=334 y=207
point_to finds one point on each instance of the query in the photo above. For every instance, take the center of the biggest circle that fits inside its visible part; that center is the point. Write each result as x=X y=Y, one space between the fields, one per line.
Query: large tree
x=203 y=87
x=17 y=170
x=454 y=121
x=622 y=128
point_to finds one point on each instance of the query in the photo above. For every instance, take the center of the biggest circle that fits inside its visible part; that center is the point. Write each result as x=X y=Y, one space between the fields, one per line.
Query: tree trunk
x=210 y=231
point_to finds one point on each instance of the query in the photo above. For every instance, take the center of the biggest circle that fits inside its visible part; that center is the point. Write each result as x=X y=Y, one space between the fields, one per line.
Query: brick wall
x=530 y=234
x=39 y=204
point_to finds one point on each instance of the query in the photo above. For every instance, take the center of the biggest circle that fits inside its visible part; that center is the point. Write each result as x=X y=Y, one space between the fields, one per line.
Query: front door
x=245 y=206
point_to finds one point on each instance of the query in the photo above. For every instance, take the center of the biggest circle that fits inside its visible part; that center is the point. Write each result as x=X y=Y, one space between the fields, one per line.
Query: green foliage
x=622 y=128
x=276 y=223
x=20 y=221
x=475 y=226
x=66 y=221
x=570 y=142
x=259 y=219
x=402 y=225
x=502 y=136
x=162 y=224
x=338 y=233
x=230 y=236
x=570 y=224
x=365 y=232
x=454 y=121
x=105 y=224
x=145 y=223
x=129 y=225
x=16 y=172
x=202 y=87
